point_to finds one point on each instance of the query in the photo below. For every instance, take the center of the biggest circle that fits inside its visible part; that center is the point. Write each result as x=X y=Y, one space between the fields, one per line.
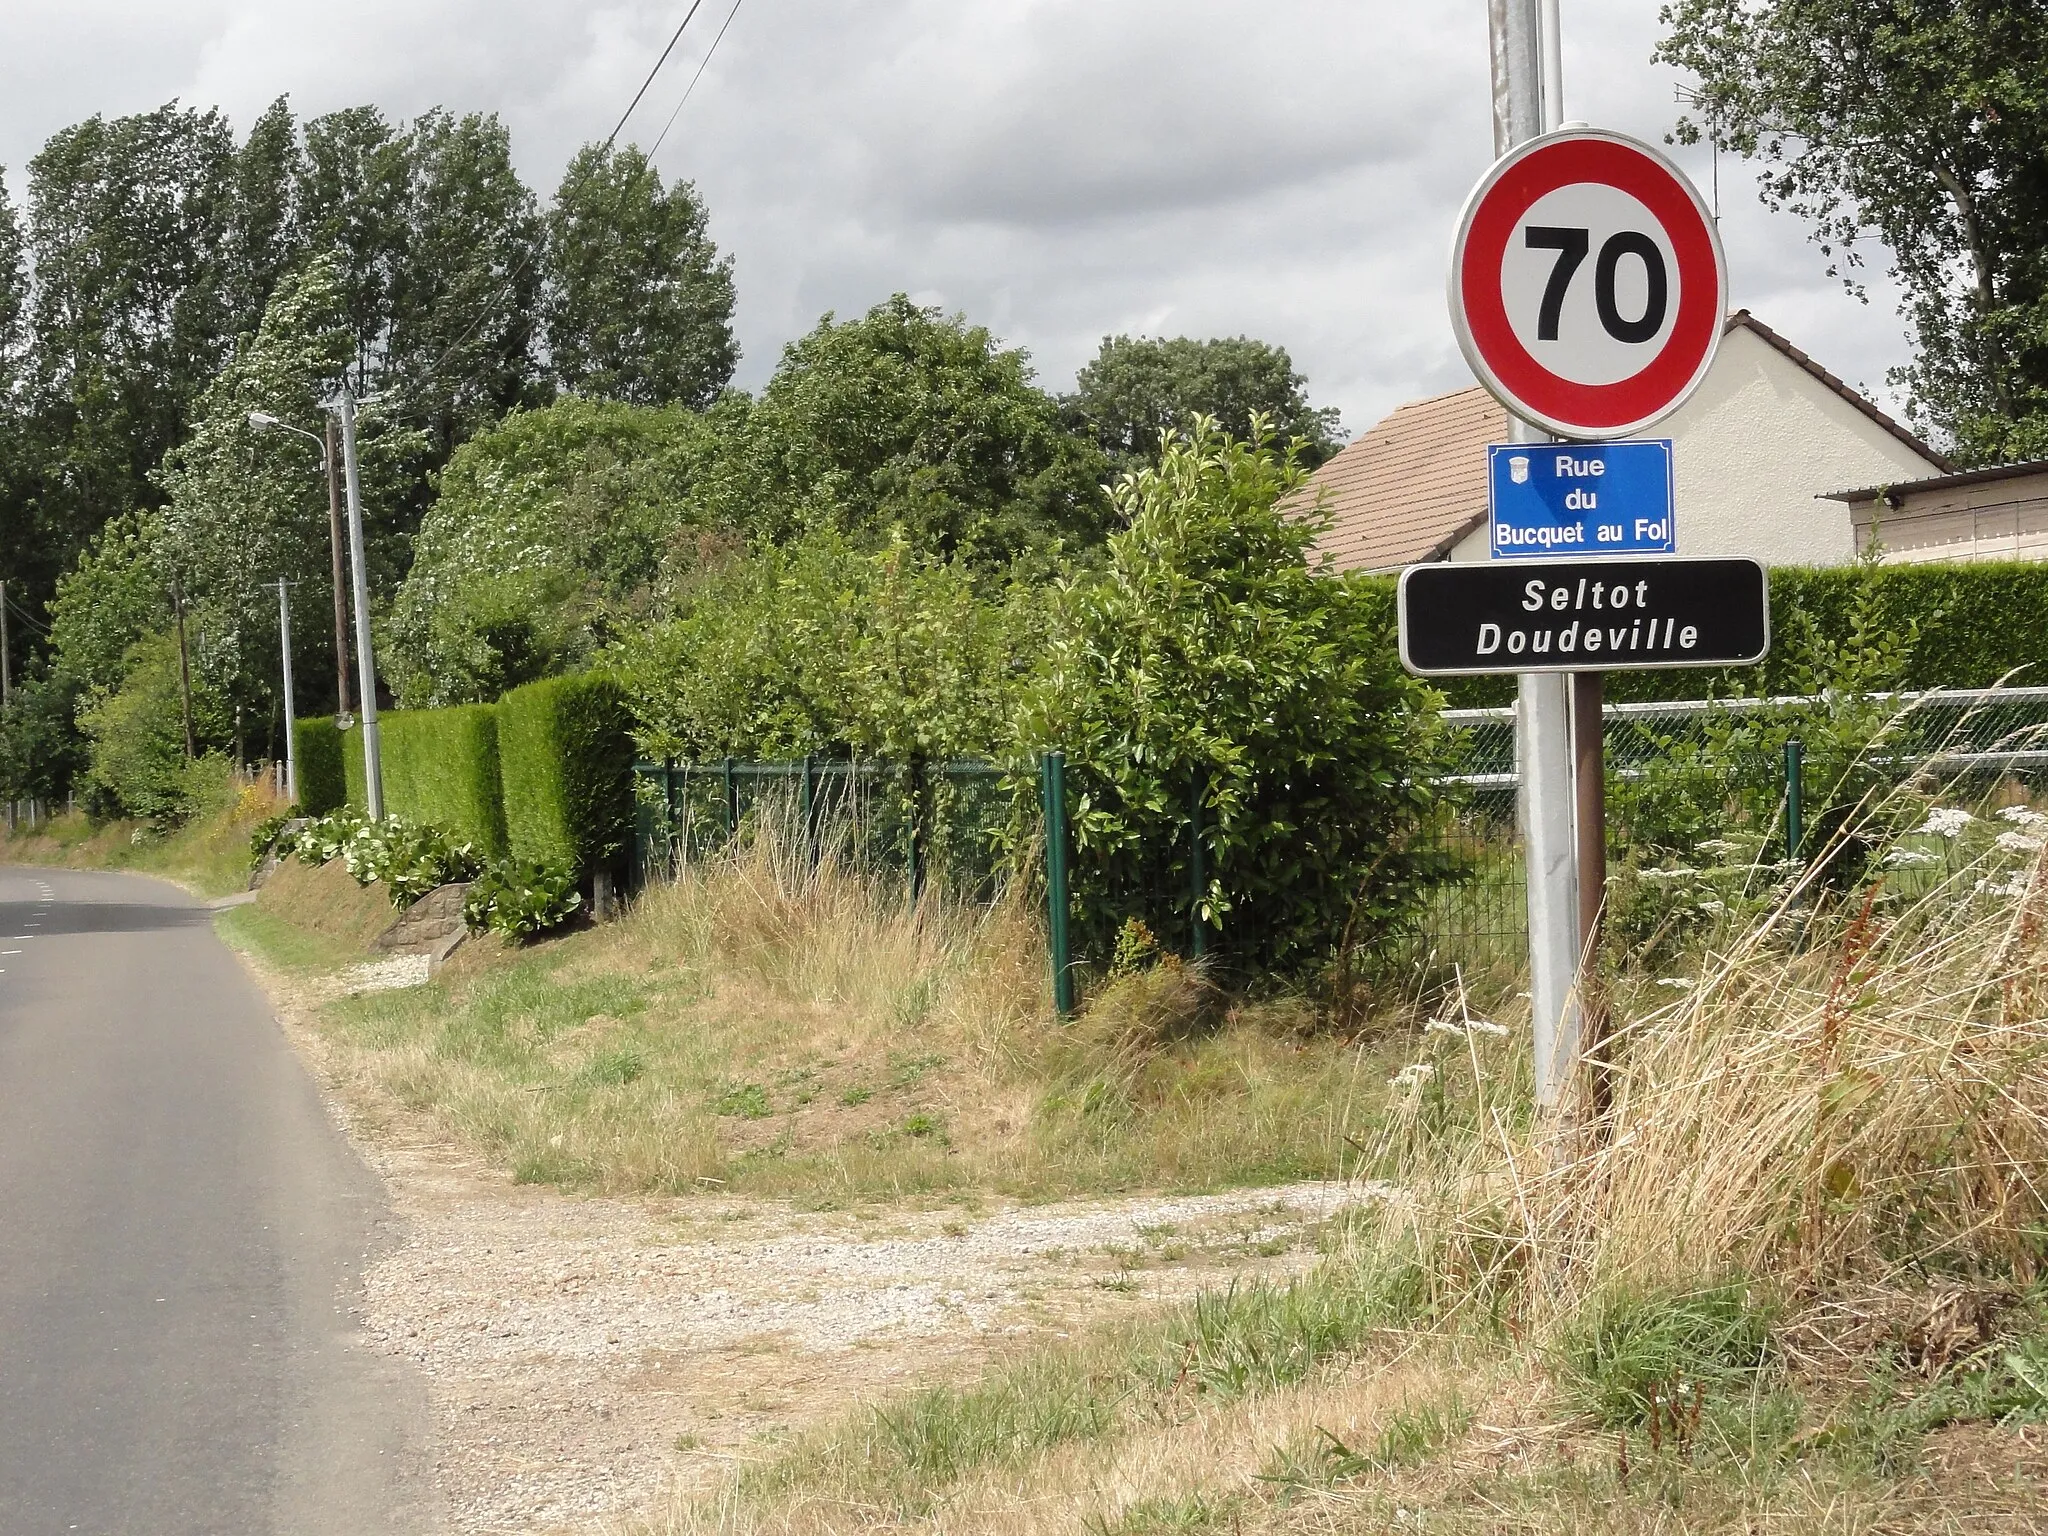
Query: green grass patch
x=279 y=942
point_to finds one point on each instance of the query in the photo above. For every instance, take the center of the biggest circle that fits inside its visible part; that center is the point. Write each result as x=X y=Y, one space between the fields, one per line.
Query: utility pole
x=291 y=745
x=6 y=655
x=333 y=468
x=184 y=672
x=1526 y=60
x=366 y=663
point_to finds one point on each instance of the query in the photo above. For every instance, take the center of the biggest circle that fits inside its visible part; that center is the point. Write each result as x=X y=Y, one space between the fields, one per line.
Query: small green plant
x=925 y=1127
x=1164 y=1516
x=1412 y=1434
x=856 y=1095
x=1631 y=1353
x=263 y=837
x=747 y=1101
x=521 y=898
x=615 y=1068
x=1136 y=948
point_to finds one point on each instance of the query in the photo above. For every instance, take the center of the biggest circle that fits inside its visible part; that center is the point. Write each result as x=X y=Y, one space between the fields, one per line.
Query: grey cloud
x=1058 y=169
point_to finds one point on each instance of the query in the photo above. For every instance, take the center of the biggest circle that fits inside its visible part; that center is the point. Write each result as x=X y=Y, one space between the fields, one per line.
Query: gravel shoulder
x=585 y=1357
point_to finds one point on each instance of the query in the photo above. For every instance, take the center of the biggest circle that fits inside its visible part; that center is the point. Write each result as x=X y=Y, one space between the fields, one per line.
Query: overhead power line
x=612 y=137
x=702 y=65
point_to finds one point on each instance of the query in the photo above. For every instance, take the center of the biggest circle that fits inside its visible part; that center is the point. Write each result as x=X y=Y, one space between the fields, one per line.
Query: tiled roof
x=1407 y=489
x=1898 y=429
x=1410 y=487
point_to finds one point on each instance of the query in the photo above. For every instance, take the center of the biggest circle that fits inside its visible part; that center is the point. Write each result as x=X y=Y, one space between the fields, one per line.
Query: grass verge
x=1781 y=1268
x=789 y=1031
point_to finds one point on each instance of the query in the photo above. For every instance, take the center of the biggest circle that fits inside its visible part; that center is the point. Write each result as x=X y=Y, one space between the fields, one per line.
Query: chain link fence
x=1749 y=784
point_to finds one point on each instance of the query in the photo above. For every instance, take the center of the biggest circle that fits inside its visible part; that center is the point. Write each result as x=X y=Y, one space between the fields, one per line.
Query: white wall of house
x=1754 y=447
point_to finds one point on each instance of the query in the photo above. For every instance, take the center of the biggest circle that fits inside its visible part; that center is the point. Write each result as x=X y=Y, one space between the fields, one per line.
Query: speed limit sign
x=1587 y=284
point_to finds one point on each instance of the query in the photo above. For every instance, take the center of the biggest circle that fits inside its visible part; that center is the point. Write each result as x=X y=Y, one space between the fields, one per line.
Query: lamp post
x=344 y=407
x=263 y=421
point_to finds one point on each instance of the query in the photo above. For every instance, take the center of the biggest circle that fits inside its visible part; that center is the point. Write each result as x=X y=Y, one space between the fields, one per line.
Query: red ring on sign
x=1651 y=390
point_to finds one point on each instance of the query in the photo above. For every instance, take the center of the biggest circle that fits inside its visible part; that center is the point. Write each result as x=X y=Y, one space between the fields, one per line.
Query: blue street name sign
x=1551 y=499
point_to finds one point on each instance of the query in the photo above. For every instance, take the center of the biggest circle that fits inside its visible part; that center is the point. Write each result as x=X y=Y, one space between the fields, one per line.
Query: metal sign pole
x=291 y=744
x=1542 y=712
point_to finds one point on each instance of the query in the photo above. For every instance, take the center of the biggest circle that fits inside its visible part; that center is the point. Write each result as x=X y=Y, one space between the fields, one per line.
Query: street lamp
x=263 y=421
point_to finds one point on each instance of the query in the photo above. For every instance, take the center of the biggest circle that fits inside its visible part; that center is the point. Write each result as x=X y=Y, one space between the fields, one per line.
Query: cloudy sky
x=1058 y=169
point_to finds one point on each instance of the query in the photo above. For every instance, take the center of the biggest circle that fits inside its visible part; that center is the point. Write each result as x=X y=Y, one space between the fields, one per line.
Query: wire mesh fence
x=1749 y=783
x=1755 y=782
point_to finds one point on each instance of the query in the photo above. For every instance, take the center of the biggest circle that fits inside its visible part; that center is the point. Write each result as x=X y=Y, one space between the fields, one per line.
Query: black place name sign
x=1583 y=616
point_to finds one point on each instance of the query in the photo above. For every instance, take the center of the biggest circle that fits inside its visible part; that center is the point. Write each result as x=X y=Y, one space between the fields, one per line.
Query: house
x=1768 y=432
x=1999 y=513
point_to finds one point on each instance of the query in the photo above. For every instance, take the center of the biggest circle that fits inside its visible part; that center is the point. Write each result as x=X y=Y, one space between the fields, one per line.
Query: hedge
x=566 y=757
x=441 y=768
x=323 y=782
x=1978 y=625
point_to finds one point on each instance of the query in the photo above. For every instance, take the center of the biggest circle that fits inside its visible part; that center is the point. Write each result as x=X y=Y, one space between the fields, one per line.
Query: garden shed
x=1995 y=513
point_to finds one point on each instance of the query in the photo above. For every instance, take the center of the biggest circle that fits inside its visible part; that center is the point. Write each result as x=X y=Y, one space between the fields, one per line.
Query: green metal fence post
x=808 y=803
x=732 y=803
x=1795 y=759
x=916 y=829
x=1198 y=943
x=1052 y=793
x=678 y=835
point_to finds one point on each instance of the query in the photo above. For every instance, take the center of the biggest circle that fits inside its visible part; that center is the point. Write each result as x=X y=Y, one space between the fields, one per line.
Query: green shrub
x=323 y=781
x=410 y=858
x=441 y=767
x=520 y=898
x=1208 y=658
x=1629 y=1350
x=567 y=767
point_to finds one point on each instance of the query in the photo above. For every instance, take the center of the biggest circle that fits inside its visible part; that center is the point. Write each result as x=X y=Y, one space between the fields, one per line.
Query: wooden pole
x=184 y=674
x=6 y=655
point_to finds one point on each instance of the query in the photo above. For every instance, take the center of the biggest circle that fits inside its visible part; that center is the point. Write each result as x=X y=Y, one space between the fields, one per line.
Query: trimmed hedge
x=323 y=782
x=440 y=768
x=566 y=757
x=1979 y=625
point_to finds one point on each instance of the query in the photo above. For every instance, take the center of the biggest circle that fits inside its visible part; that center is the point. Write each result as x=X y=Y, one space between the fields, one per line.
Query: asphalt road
x=182 y=1234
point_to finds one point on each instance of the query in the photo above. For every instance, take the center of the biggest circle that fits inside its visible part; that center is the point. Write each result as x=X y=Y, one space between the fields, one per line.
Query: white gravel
x=392 y=975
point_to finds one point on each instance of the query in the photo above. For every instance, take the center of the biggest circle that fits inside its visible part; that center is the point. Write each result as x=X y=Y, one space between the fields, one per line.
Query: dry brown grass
x=1847 y=1096
x=1810 y=1209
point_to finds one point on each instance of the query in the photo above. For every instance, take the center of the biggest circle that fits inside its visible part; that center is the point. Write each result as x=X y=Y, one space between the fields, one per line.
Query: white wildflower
x=1720 y=845
x=1414 y=1075
x=1677 y=872
x=1485 y=1027
x=2021 y=816
x=1908 y=858
x=1947 y=821
x=2014 y=887
x=2019 y=842
x=1715 y=907
x=1444 y=1027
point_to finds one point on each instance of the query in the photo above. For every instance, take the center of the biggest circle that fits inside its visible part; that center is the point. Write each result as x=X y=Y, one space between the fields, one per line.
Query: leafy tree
x=1923 y=123
x=1211 y=662
x=639 y=303
x=263 y=241
x=909 y=418
x=137 y=738
x=113 y=597
x=353 y=188
x=129 y=316
x=247 y=507
x=823 y=647
x=1141 y=386
x=547 y=537
x=464 y=303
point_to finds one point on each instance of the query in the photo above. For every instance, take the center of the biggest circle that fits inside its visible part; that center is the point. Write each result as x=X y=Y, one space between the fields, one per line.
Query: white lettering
x=1489 y=639
x=1688 y=637
x=1517 y=640
x=1532 y=596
